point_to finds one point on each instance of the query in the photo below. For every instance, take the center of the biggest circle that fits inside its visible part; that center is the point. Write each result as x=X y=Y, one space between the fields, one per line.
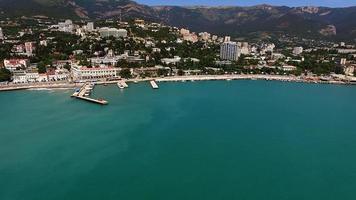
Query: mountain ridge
x=310 y=21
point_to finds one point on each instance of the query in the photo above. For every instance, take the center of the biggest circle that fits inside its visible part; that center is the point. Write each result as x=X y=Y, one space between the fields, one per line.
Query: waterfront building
x=13 y=64
x=57 y=74
x=114 y=32
x=349 y=70
x=25 y=76
x=230 y=51
x=297 y=50
x=83 y=73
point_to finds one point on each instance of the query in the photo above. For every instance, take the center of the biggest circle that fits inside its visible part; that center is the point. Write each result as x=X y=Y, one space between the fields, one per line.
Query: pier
x=122 y=84
x=84 y=92
x=154 y=84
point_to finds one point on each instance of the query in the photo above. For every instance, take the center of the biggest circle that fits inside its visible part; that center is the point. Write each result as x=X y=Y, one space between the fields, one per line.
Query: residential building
x=174 y=60
x=2 y=37
x=29 y=48
x=90 y=26
x=297 y=50
x=83 y=73
x=343 y=61
x=66 y=26
x=230 y=51
x=13 y=64
x=114 y=32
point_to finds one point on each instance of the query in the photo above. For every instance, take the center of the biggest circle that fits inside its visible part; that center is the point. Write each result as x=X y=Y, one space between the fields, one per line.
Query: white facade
x=230 y=51
x=1 y=34
x=289 y=68
x=343 y=61
x=29 y=47
x=81 y=73
x=26 y=77
x=90 y=26
x=297 y=50
x=107 y=32
x=174 y=60
x=66 y=26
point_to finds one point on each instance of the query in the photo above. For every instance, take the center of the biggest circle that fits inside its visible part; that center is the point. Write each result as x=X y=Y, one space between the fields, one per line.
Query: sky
x=328 y=3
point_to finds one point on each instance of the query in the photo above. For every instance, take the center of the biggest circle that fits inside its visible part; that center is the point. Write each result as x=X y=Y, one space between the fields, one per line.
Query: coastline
x=33 y=86
x=68 y=85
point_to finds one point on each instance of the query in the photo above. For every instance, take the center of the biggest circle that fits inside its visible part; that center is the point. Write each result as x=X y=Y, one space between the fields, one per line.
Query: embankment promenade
x=68 y=85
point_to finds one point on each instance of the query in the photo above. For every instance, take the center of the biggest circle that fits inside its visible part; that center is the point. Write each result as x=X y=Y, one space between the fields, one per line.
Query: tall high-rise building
x=1 y=34
x=230 y=51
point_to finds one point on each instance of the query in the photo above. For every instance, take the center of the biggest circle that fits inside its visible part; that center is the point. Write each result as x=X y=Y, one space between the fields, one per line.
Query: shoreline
x=34 y=86
x=68 y=85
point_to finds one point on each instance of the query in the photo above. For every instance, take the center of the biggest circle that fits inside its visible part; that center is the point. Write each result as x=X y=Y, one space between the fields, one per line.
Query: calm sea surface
x=245 y=140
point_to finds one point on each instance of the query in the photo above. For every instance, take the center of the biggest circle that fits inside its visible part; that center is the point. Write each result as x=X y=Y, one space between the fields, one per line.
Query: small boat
x=120 y=86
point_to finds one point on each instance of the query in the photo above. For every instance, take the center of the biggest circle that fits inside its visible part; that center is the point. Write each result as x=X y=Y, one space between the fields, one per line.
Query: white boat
x=120 y=86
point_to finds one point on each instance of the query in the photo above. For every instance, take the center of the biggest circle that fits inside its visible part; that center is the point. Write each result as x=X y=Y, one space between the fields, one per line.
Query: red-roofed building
x=13 y=64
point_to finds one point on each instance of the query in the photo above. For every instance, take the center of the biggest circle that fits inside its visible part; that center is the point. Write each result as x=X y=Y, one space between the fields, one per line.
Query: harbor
x=84 y=94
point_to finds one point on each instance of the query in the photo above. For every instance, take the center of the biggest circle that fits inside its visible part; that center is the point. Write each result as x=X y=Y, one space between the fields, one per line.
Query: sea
x=213 y=140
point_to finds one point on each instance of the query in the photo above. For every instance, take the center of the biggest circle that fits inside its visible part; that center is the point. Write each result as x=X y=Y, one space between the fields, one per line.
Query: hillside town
x=42 y=50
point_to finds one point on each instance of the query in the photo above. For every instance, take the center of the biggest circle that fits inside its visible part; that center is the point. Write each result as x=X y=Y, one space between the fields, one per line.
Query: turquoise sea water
x=247 y=140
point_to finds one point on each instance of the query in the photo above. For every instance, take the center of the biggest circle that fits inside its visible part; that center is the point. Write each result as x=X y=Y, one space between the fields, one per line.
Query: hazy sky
x=329 y=3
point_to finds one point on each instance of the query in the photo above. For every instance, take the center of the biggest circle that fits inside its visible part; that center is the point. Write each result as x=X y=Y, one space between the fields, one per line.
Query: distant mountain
x=321 y=22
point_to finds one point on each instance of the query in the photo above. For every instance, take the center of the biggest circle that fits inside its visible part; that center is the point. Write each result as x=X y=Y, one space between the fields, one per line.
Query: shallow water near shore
x=248 y=140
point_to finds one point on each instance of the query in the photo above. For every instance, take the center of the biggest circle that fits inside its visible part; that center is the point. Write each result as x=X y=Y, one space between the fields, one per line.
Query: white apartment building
x=66 y=26
x=230 y=51
x=82 y=73
x=174 y=60
x=108 y=32
x=297 y=50
x=90 y=26
x=25 y=77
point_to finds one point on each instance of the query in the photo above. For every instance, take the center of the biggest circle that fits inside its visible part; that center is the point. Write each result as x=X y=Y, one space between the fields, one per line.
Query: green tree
x=41 y=66
x=162 y=72
x=125 y=73
x=5 y=75
x=67 y=66
x=180 y=72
